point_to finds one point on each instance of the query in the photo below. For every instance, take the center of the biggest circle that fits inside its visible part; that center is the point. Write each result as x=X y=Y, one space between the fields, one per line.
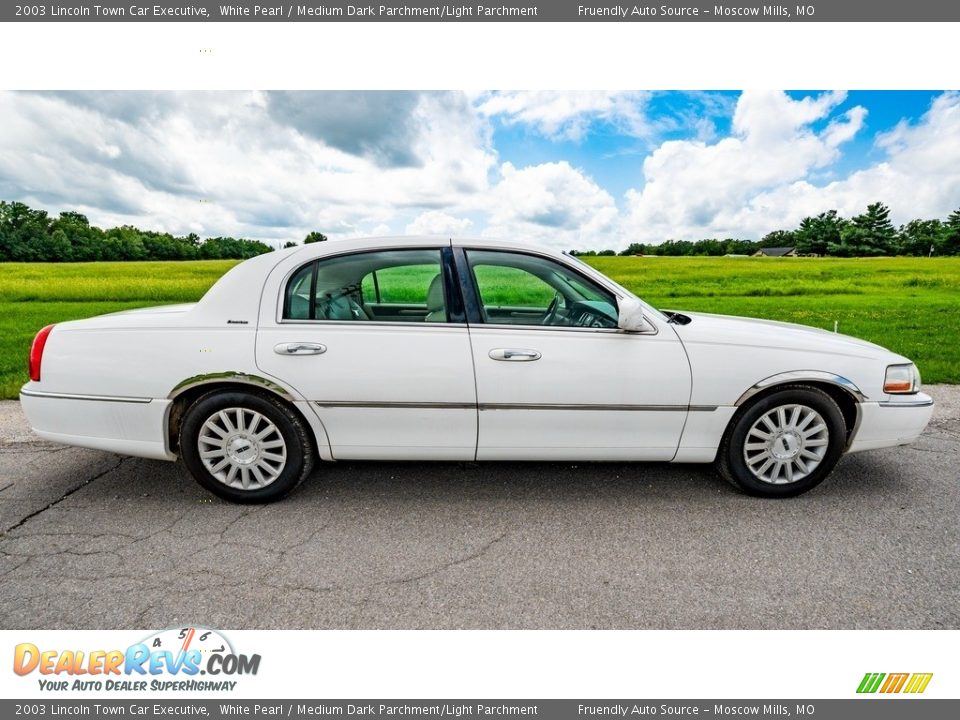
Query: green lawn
x=911 y=305
x=36 y=294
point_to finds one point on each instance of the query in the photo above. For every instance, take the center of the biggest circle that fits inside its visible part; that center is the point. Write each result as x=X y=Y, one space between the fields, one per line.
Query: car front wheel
x=245 y=448
x=783 y=444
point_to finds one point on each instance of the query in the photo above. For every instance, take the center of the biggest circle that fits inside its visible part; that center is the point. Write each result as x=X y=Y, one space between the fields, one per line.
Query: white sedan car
x=432 y=349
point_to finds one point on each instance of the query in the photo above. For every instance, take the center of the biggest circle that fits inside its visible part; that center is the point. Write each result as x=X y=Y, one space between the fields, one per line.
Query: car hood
x=752 y=332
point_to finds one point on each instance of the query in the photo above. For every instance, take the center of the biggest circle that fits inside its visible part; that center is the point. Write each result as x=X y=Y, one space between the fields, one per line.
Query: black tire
x=732 y=461
x=297 y=446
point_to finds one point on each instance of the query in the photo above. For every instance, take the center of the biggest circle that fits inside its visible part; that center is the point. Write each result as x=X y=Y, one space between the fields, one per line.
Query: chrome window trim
x=369 y=323
x=594 y=276
x=564 y=328
x=280 y=320
x=588 y=272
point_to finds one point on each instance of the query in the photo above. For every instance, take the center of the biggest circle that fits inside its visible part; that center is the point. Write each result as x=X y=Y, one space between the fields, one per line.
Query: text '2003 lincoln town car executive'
x=431 y=349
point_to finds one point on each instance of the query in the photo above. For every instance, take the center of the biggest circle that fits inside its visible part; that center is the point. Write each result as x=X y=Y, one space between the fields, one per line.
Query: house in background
x=776 y=252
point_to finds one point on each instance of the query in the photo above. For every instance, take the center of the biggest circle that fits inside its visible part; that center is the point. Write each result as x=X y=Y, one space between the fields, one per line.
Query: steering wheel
x=551 y=313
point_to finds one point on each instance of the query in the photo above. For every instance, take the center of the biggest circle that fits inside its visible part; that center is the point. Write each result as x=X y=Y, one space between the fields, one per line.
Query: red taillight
x=36 y=352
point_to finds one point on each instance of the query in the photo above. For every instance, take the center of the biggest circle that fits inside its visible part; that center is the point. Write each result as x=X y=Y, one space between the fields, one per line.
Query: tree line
x=28 y=235
x=868 y=234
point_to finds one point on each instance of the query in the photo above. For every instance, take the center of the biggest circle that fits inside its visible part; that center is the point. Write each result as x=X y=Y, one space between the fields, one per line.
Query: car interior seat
x=436 y=307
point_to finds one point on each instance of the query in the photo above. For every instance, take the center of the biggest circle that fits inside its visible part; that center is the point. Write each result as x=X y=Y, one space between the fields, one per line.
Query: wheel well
x=185 y=399
x=845 y=401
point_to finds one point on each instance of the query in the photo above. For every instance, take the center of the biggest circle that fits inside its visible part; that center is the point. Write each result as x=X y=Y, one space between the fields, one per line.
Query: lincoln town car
x=405 y=348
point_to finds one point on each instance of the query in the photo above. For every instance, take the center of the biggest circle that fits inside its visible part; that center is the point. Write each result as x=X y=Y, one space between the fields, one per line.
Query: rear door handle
x=299 y=348
x=514 y=354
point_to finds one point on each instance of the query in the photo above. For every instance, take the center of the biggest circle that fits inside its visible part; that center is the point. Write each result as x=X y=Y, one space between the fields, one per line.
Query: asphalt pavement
x=93 y=540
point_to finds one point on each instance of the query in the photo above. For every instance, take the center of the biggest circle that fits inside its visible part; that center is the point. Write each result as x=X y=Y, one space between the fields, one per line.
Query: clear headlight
x=902 y=379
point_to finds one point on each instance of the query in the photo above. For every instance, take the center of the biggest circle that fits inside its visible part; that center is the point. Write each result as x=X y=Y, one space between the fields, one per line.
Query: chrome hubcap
x=242 y=449
x=786 y=444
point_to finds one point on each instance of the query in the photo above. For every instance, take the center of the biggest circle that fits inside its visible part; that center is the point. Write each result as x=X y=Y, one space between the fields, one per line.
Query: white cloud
x=274 y=167
x=553 y=204
x=223 y=163
x=919 y=178
x=568 y=115
x=697 y=189
x=435 y=222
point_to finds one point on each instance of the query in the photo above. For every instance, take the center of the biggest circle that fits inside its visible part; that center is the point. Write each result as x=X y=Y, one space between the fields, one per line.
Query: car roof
x=373 y=243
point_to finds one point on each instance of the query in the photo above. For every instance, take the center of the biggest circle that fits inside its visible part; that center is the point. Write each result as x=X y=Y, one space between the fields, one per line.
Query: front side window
x=520 y=289
x=384 y=286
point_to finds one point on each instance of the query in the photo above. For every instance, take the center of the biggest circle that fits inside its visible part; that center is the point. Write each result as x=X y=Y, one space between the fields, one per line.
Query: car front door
x=376 y=341
x=555 y=377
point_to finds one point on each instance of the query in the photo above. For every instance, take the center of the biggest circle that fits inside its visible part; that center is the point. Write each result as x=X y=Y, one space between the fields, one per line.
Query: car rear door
x=568 y=386
x=376 y=341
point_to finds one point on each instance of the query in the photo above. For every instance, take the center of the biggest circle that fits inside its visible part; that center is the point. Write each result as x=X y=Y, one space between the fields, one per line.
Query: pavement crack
x=246 y=512
x=32 y=447
x=142 y=616
x=159 y=531
x=23 y=521
x=284 y=552
x=15 y=567
x=480 y=552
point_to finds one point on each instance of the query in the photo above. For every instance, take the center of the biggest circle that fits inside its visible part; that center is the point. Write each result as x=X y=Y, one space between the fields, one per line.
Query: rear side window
x=382 y=286
x=403 y=284
x=296 y=303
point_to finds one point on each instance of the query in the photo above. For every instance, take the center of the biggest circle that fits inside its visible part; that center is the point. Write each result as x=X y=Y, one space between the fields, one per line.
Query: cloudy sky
x=569 y=169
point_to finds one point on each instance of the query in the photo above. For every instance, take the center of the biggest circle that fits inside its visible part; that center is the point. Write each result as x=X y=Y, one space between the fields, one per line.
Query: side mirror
x=630 y=318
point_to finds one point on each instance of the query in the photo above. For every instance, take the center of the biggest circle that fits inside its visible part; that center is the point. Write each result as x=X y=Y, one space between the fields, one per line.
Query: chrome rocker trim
x=76 y=396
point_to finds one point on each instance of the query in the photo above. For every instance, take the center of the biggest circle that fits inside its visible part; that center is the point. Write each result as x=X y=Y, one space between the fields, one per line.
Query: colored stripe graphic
x=894 y=682
x=918 y=683
x=870 y=682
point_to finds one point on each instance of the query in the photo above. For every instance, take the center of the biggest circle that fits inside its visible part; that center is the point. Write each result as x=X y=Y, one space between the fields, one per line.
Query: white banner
x=478 y=664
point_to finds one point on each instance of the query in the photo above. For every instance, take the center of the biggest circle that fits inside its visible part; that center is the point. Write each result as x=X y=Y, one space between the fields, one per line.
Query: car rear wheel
x=784 y=443
x=244 y=447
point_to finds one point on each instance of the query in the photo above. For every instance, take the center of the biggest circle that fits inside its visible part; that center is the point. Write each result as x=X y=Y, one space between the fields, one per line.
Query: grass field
x=911 y=305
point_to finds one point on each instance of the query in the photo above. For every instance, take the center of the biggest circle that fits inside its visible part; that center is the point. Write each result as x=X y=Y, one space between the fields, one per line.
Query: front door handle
x=514 y=354
x=299 y=348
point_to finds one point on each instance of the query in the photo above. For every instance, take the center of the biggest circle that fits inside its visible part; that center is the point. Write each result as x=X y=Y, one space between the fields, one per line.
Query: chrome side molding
x=77 y=396
x=229 y=376
x=800 y=376
x=906 y=403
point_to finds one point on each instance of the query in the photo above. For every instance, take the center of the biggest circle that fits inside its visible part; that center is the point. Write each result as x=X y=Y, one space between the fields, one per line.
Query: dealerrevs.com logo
x=912 y=683
x=169 y=660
